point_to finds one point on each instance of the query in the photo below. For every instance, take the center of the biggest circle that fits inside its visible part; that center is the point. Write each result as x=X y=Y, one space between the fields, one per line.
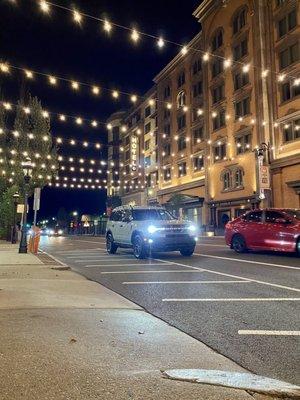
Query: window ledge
x=289 y=100
x=233 y=189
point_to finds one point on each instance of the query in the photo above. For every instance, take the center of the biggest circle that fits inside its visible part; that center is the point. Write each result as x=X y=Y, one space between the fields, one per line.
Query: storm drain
x=236 y=380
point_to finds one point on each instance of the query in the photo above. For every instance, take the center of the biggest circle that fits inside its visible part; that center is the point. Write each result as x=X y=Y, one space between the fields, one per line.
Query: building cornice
x=176 y=60
x=206 y=8
x=285 y=161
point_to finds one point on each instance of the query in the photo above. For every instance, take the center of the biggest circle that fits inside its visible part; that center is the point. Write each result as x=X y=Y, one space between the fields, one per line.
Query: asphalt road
x=230 y=302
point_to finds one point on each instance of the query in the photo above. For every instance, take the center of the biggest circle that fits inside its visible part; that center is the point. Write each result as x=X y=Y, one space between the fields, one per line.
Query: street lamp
x=13 y=230
x=27 y=170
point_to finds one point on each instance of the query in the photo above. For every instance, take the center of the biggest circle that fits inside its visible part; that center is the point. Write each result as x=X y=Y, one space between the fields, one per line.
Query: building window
x=242 y=107
x=218 y=93
x=181 y=79
x=198 y=135
x=219 y=151
x=167 y=150
x=219 y=120
x=127 y=155
x=148 y=127
x=289 y=56
x=181 y=99
x=217 y=67
x=240 y=50
x=226 y=180
x=198 y=162
x=147 y=144
x=197 y=89
x=196 y=115
x=243 y=143
x=197 y=66
x=238 y=178
x=232 y=178
x=167 y=174
x=181 y=122
x=167 y=129
x=127 y=140
x=289 y=91
x=147 y=111
x=167 y=92
x=291 y=131
x=167 y=113
x=287 y=23
x=240 y=80
x=217 y=40
x=239 y=21
x=127 y=169
x=147 y=161
x=182 y=169
x=181 y=143
x=155 y=138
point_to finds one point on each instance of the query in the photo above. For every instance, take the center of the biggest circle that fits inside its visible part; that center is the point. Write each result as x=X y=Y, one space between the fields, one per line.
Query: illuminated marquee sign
x=134 y=152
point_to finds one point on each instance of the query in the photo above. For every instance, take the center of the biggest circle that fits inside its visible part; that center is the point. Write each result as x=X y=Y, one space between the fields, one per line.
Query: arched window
x=226 y=178
x=238 y=178
x=217 y=40
x=239 y=21
x=181 y=99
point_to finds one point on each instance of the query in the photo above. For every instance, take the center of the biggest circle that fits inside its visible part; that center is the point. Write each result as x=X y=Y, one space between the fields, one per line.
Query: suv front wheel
x=139 y=249
x=187 y=252
x=111 y=247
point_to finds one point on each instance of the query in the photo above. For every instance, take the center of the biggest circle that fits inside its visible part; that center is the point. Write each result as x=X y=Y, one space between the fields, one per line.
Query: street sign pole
x=36 y=203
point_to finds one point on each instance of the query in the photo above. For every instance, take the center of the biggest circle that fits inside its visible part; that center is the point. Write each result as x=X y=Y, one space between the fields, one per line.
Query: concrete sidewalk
x=64 y=337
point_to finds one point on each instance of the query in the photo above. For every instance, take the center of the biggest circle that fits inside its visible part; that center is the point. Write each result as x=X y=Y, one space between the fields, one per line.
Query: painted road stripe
x=237 y=299
x=125 y=265
x=180 y=282
x=268 y=333
x=148 y=272
x=78 y=259
x=210 y=244
x=247 y=261
x=235 y=276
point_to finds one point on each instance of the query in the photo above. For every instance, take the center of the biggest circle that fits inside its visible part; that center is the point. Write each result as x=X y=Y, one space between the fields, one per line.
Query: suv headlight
x=152 y=229
x=192 y=228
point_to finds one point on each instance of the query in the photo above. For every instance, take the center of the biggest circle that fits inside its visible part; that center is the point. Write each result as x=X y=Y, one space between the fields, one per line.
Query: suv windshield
x=155 y=214
x=293 y=213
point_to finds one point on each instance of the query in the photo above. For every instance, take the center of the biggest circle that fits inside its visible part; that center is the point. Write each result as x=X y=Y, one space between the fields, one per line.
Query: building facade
x=219 y=133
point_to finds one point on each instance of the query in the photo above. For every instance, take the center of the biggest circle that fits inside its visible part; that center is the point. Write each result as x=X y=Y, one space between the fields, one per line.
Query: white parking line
x=235 y=276
x=237 y=299
x=268 y=333
x=247 y=261
x=148 y=272
x=78 y=259
x=210 y=244
x=125 y=265
x=181 y=282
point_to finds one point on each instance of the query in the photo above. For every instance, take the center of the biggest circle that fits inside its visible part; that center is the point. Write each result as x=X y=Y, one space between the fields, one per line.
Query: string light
x=96 y=90
x=75 y=85
x=77 y=17
x=160 y=42
x=135 y=35
x=115 y=94
x=205 y=56
x=227 y=63
x=107 y=26
x=44 y=6
x=52 y=80
x=184 y=50
x=4 y=68
x=28 y=74
x=246 y=68
x=133 y=98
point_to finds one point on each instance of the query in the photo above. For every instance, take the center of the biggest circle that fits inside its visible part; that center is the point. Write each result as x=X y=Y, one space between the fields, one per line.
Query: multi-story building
x=225 y=117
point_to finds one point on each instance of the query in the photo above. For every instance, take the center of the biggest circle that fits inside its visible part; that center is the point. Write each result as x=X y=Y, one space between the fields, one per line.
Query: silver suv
x=149 y=228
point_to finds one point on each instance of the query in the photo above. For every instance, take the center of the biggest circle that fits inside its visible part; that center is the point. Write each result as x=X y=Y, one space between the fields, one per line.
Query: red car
x=270 y=229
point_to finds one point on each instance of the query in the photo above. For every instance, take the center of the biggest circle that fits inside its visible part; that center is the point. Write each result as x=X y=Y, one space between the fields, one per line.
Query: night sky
x=54 y=44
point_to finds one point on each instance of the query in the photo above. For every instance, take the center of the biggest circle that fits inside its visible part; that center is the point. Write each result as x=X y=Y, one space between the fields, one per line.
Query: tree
x=30 y=137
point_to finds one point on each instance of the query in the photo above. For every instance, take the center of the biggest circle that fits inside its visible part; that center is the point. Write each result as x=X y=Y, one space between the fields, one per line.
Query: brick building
x=234 y=95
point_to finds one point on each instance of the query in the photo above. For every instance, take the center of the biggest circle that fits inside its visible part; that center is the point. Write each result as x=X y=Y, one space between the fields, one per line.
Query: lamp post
x=27 y=170
x=13 y=229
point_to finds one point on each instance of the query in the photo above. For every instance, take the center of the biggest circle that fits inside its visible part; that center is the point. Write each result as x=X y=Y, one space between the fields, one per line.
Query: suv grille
x=175 y=228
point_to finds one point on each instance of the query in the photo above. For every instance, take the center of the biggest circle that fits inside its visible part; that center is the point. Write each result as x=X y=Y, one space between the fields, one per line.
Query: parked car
x=269 y=229
x=149 y=228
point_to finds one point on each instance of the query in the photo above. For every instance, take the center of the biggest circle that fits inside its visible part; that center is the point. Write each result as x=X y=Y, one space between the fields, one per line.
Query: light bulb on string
x=28 y=74
x=4 y=67
x=135 y=35
x=75 y=85
x=115 y=94
x=77 y=17
x=52 y=80
x=107 y=26
x=160 y=43
x=95 y=90
x=44 y=6
x=205 y=56
x=184 y=50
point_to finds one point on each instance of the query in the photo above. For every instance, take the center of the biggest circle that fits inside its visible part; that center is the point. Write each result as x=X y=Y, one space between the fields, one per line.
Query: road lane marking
x=77 y=259
x=247 y=261
x=236 y=299
x=210 y=244
x=125 y=265
x=180 y=282
x=235 y=276
x=268 y=333
x=148 y=272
